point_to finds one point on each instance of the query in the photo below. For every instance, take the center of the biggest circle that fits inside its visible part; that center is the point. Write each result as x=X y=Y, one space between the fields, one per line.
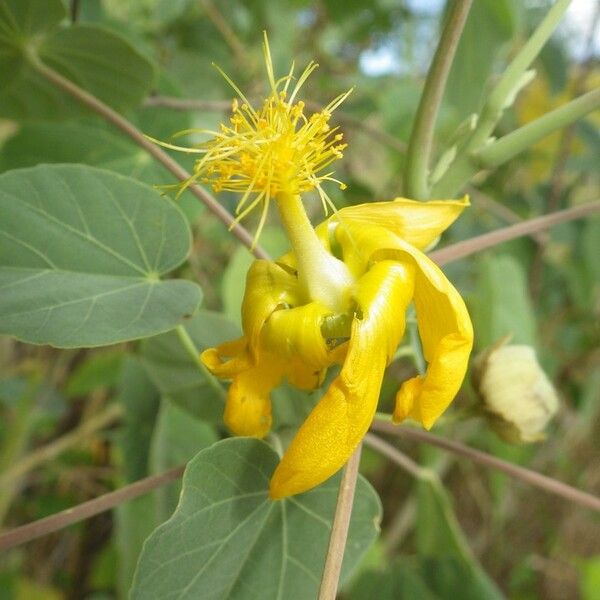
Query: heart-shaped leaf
x=94 y=58
x=81 y=255
x=227 y=539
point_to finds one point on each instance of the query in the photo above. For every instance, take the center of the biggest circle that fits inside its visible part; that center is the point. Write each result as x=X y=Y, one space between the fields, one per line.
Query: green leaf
x=134 y=522
x=227 y=539
x=96 y=59
x=81 y=252
x=442 y=544
x=19 y=20
x=502 y=304
x=401 y=579
x=494 y=21
x=98 y=371
x=175 y=373
x=177 y=439
x=141 y=402
x=234 y=279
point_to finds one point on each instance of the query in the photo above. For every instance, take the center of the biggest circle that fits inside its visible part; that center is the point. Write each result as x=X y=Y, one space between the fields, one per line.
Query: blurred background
x=543 y=289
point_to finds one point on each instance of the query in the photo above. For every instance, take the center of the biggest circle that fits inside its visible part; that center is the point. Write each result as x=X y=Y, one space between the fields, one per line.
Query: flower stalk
x=322 y=277
x=421 y=139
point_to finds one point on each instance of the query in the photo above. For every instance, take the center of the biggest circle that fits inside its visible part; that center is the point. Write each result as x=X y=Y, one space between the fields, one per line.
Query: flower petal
x=417 y=223
x=248 y=404
x=296 y=333
x=444 y=323
x=336 y=425
x=447 y=337
x=268 y=286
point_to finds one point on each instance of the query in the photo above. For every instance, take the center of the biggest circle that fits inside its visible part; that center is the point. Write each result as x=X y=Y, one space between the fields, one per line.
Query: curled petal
x=336 y=425
x=248 y=404
x=268 y=286
x=305 y=377
x=447 y=337
x=417 y=223
x=227 y=359
x=296 y=332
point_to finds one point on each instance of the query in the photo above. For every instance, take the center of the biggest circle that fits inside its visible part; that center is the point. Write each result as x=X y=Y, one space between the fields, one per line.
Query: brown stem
x=31 y=531
x=403 y=461
x=528 y=476
x=339 y=529
x=482 y=200
x=226 y=31
x=488 y=240
x=157 y=153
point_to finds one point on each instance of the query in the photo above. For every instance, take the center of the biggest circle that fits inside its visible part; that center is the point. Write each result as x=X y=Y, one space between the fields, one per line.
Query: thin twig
x=402 y=460
x=501 y=211
x=421 y=138
x=226 y=31
x=31 y=531
x=488 y=240
x=543 y=482
x=339 y=529
x=60 y=445
x=155 y=151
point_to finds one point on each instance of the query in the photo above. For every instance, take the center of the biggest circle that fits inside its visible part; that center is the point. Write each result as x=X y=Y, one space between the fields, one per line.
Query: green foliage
x=87 y=256
x=97 y=372
x=502 y=306
x=449 y=562
x=176 y=375
x=98 y=60
x=81 y=255
x=250 y=546
x=496 y=22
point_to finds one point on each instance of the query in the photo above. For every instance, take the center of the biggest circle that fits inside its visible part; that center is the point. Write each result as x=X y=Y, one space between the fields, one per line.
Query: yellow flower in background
x=340 y=295
x=285 y=336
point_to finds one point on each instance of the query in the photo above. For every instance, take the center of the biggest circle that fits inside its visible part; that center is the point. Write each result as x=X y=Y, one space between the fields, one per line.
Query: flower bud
x=517 y=396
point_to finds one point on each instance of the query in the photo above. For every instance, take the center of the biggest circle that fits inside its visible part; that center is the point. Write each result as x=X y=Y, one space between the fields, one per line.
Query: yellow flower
x=269 y=151
x=338 y=298
x=286 y=336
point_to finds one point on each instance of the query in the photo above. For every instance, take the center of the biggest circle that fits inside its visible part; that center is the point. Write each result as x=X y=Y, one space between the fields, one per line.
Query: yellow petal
x=336 y=425
x=248 y=405
x=296 y=333
x=227 y=359
x=444 y=323
x=268 y=286
x=418 y=223
x=447 y=337
x=305 y=377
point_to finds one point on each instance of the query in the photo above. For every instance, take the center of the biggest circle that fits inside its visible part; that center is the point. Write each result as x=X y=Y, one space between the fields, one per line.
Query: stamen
x=274 y=150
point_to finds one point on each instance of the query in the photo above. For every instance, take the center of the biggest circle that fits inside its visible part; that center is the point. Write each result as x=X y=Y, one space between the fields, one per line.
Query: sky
x=574 y=28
